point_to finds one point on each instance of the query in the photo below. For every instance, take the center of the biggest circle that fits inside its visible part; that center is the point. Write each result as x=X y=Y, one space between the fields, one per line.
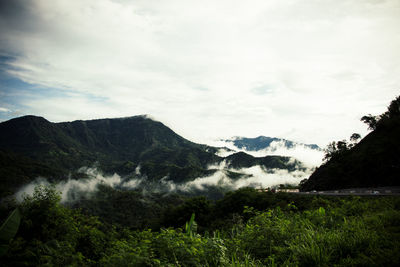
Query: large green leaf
x=10 y=226
x=9 y=229
x=191 y=226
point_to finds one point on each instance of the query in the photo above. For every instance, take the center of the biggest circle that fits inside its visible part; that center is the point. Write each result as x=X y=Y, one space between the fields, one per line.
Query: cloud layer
x=208 y=69
x=256 y=176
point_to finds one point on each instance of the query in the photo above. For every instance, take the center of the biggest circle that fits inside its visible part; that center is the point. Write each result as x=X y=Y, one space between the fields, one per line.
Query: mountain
x=243 y=160
x=108 y=141
x=374 y=161
x=264 y=142
x=310 y=154
x=32 y=146
x=41 y=148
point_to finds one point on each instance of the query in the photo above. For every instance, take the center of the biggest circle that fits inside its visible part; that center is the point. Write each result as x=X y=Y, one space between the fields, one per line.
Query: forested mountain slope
x=32 y=146
x=374 y=161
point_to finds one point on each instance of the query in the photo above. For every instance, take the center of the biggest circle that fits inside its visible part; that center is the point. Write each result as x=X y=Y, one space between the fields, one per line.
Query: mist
x=255 y=176
x=310 y=157
x=74 y=189
x=84 y=188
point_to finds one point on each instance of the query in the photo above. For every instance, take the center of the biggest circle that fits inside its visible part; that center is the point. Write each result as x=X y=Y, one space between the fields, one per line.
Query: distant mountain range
x=32 y=146
x=265 y=142
x=310 y=154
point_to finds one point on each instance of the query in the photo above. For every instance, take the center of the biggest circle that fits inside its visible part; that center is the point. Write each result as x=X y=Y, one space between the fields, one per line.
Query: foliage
x=191 y=226
x=16 y=170
x=177 y=216
x=322 y=232
x=132 y=209
x=8 y=230
x=371 y=121
x=51 y=234
x=393 y=112
x=339 y=148
x=321 y=237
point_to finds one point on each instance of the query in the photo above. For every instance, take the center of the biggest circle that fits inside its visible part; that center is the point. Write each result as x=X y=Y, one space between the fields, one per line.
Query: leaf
x=10 y=227
x=189 y=226
x=321 y=211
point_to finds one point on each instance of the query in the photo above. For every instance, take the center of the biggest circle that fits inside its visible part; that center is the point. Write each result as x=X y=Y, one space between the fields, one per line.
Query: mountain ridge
x=263 y=142
x=115 y=145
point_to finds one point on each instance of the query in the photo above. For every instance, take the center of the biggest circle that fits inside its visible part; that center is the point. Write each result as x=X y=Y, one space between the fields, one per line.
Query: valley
x=131 y=192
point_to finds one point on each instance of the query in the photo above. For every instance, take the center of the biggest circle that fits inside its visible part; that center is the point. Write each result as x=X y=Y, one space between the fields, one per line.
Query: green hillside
x=108 y=141
x=31 y=146
x=245 y=228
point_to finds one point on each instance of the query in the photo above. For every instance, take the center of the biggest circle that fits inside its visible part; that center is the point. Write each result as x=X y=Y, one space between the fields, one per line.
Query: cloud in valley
x=310 y=157
x=83 y=188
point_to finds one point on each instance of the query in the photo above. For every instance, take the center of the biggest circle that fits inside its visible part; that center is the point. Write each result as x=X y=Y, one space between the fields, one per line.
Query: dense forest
x=245 y=228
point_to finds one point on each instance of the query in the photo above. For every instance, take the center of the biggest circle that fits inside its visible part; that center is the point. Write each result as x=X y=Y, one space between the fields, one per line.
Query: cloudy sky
x=304 y=70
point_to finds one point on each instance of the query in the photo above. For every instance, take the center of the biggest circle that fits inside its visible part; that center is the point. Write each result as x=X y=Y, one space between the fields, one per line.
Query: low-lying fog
x=256 y=176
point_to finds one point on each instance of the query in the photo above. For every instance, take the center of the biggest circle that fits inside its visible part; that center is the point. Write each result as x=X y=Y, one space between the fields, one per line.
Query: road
x=376 y=191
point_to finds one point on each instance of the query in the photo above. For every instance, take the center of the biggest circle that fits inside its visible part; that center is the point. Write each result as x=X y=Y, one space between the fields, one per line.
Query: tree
x=372 y=121
x=394 y=108
x=392 y=112
x=354 y=137
x=334 y=149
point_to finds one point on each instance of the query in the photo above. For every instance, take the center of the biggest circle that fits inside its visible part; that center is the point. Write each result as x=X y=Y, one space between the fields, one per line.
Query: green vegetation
x=8 y=230
x=243 y=160
x=131 y=209
x=338 y=149
x=255 y=229
x=16 y=170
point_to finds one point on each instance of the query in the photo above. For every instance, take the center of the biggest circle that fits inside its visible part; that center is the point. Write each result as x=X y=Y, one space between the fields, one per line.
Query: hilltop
x=32 y=146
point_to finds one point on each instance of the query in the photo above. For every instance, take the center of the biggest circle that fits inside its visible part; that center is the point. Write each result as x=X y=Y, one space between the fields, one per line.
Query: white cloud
x=83 y=188
x=255 y=177
x=325 y=64
x=73 y=189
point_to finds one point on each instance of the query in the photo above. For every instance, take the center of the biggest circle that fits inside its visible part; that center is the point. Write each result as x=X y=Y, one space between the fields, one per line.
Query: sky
x=304 y=70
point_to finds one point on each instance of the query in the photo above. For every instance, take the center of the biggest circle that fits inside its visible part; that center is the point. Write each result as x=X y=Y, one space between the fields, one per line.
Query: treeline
x=138 y=210
x=317 y=231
